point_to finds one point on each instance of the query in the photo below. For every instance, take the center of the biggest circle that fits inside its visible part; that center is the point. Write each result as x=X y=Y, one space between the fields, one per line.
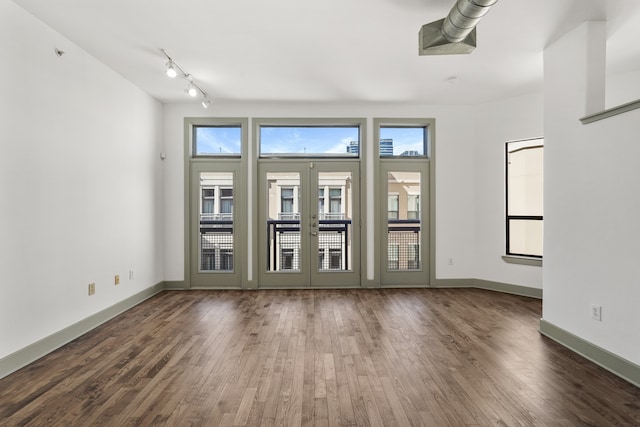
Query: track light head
x=206 y=102
x=171 y=70
x=191 y=89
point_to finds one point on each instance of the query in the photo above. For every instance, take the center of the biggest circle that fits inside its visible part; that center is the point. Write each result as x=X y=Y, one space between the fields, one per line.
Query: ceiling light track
x=174 y=70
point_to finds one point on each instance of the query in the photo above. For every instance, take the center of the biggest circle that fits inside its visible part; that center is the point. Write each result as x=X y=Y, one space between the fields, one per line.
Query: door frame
x=309 y=275
x=419 y=277
x=217 y=279
x=428 y=190
x=237 y=163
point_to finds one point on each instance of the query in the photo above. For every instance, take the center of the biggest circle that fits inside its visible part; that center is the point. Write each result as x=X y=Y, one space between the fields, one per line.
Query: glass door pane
x=216 y=246
x=215 y=253
x=332 y=225
x=308 y=224
x=404 y=223
x=283 y=221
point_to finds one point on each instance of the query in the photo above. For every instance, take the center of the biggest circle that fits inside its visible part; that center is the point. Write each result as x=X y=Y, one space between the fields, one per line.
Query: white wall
x=454 y=172
x=80 y=183
x=592 y=206
x=497 y=123
x=622 y=88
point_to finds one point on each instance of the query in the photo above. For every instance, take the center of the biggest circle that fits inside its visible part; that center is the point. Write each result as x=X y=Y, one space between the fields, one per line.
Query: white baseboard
x=489 y=285
x=35 y=351
x=613 y=363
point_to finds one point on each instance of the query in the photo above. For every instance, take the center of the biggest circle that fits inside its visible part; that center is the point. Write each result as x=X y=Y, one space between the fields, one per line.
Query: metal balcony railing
x=403 y=241
x=216 y=242
x=331 y=215
x=283 y=241
x=216 y=226
x=216 y=216
x=412 y=225
x=289 y=215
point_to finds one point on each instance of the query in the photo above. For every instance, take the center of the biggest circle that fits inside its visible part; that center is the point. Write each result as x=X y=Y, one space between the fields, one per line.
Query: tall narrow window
x=286 y=200
x=226 y=203
x=321 y=211
x=335 y=203
x=335 y=259
x=524 y=204
x=226 y=259
x=208 y=203
x=287 y=259
x=393 y=206
x=413 y=206
x=413 y=258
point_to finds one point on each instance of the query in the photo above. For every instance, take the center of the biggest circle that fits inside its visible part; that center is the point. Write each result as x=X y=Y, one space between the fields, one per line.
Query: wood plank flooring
x=432 y=357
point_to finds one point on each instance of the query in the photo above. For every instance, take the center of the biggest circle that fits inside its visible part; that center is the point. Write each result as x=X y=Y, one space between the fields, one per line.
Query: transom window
x=309 y=140
x=403 y=141
x=223 y=140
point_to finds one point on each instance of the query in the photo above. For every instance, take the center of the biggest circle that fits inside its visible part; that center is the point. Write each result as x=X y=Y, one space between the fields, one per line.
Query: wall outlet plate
x=92 y=289
x=596 y=312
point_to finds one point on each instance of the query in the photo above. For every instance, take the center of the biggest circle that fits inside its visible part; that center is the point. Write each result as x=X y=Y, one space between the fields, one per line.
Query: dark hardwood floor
x=433 y=357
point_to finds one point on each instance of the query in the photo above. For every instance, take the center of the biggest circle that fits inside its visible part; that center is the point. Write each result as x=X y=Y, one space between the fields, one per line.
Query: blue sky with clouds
x=310 y=140
x=300 y=140
x=404 y=138
x=218 y=140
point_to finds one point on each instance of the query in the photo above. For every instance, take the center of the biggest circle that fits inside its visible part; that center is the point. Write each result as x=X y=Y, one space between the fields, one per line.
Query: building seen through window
x=333 y=217
x=403 y=141
x=403 y=221
x=216 y=221
x=524 y=197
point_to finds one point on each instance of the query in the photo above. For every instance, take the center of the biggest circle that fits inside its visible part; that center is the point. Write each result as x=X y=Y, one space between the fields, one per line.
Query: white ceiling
x=341 y=51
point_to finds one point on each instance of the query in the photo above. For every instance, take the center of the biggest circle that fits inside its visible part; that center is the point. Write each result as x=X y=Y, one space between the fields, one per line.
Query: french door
x=308 y=223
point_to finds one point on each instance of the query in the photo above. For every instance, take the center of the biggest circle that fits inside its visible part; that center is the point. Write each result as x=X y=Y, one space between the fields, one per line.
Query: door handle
x=314 y=233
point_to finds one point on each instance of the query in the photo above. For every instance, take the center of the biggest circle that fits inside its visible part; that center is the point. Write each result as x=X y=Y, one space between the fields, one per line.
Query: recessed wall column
x=590 y=209
x=573 y=86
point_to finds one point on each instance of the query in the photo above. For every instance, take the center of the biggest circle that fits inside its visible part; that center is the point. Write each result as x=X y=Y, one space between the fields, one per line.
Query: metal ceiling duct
x=456 y=33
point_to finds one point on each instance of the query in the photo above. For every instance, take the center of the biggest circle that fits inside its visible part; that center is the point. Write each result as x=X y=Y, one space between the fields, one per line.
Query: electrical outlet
x=596 y=312
x=92 y=288
x=116 y=280
x=450 y=261
x=130 y=274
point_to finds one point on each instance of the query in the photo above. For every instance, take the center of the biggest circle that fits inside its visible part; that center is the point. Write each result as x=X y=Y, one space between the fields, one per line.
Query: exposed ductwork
x=456 y=33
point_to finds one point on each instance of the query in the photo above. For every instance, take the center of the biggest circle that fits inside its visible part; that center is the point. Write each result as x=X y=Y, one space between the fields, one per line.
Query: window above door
x=282 y=138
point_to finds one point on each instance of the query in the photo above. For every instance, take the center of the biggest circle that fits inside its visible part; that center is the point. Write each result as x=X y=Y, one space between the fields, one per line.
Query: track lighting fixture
x=174 y=70
x=191 y=89
x=171 y=71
